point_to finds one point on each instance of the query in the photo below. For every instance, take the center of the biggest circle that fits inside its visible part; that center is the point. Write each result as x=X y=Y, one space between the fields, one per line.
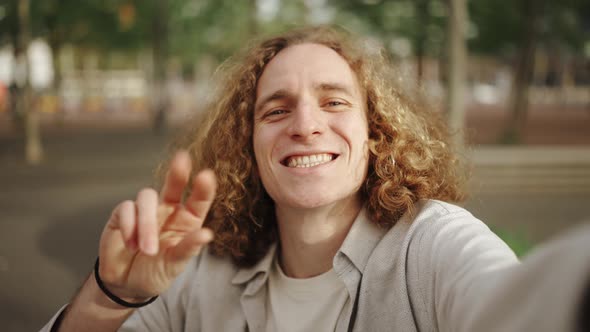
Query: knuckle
x=123 y=210
x=128 y=208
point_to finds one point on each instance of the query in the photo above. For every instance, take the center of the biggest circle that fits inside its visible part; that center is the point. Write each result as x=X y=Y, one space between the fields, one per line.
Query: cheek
x=263 y=141
x=258 y=148
x=358 y=136
x=356 y=131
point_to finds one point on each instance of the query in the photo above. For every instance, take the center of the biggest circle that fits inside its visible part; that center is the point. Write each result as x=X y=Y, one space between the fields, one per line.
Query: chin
x=311 y=202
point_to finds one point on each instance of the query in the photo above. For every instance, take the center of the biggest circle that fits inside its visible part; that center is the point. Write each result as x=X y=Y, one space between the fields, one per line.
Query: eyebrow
x=334 y=87
x=284 y=94
x=279 y=94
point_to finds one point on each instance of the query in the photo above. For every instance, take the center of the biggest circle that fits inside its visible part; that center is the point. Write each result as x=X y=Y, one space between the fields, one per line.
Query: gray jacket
x=442 y=270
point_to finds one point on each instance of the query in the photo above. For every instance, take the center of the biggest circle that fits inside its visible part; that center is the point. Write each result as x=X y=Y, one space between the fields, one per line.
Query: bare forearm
x=92 y=311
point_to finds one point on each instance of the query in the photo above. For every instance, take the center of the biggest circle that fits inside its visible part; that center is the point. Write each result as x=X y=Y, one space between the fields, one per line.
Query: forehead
x=305 y=63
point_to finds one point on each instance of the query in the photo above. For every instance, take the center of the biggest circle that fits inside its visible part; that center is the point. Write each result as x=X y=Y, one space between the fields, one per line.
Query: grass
x=516 y=241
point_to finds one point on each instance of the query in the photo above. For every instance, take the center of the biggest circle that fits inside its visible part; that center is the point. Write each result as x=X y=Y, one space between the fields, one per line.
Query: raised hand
x=147 y=243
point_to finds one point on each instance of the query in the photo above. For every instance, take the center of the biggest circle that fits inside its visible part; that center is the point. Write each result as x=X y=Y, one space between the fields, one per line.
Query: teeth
x=309 y=161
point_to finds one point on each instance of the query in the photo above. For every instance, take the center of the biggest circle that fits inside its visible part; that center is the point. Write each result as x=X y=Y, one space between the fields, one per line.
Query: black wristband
x=114 y=297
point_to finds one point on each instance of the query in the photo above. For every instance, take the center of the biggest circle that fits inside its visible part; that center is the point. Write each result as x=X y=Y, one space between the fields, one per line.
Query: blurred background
x=92 y=91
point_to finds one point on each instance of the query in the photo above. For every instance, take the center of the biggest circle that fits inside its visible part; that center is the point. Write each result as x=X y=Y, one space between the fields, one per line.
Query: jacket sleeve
x=470 y=280
x=49 y=327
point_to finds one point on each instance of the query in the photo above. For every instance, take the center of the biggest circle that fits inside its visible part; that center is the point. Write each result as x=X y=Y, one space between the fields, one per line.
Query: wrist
x=124 y=302
x=92 y=310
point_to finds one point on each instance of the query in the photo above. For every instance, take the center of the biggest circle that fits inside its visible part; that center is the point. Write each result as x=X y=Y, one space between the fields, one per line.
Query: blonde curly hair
x=410 y=156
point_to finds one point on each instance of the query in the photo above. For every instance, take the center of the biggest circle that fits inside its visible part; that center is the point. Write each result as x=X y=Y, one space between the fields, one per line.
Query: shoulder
x=444 y=233
x=438 y=240
x=433 y=221
x=438 y=211
x=432 y=226
x=447 y=253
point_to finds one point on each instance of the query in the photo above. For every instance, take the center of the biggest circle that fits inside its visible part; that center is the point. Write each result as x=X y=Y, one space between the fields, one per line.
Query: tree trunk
x=456 y=69
x=33 y=147
x=423 y=15
x=55 y=40
x=531 y=11
x=253 y=20
x=161 y=100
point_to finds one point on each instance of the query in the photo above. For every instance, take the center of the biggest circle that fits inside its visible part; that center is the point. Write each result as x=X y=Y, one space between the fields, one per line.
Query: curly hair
x=410 y=155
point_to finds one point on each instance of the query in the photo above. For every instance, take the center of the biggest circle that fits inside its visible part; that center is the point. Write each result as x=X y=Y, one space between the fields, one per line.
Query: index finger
x=202 y=194
x=176 y=178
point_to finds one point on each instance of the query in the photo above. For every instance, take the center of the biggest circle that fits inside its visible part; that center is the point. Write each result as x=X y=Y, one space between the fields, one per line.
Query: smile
x=309 y=161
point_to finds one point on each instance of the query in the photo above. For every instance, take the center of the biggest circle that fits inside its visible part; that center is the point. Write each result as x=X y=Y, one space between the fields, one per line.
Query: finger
x=202 y=194
x=191 y=245
x=147 y=224
x=125 y=215
x=176 y=178
x=118 y=241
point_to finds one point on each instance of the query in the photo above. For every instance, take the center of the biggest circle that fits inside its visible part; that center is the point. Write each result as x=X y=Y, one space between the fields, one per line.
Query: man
x=321 y=208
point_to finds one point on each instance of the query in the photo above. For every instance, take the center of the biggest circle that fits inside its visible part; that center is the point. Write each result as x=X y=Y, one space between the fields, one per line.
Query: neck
x=309 y=238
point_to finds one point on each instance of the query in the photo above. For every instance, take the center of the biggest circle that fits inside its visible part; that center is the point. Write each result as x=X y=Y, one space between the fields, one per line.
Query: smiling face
x=310 y=129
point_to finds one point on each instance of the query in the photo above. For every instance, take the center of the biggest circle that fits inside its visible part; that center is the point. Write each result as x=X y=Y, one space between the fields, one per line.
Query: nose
x=307 y=122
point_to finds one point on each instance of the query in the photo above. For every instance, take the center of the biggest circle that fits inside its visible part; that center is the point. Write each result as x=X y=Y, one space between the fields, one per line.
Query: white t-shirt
x=311 y=304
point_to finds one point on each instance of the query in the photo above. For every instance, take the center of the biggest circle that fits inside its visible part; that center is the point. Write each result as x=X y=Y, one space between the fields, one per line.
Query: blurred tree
x=197 y=27
x=457 y=73
x=210 y=27
x=160 y=56
x=514 y=30
x=216 y=28
x=9 y=34
x=100 y=25
x=419 y=24
x=422 y=18
x=531 y=11
x=511 y=30
x=15 y=29
x=94 y=24
x=33 y=147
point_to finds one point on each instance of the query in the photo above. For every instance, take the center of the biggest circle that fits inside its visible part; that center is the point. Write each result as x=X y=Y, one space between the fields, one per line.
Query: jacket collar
x=363 y=237
x=263 y=266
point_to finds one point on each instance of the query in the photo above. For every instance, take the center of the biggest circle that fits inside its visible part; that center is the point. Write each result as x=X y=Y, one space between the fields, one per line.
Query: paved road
x=52 y=214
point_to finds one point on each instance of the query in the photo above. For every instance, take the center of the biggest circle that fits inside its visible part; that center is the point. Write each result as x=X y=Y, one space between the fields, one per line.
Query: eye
x=334 y=103
x=275 y=114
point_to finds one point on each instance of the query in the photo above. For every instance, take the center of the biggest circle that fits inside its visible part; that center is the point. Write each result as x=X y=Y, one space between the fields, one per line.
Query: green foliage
x=500 y=25
x=95 y=24
x=8 y=22
x=495 y=28
x=209 y=27
x=218 y=27
x=422 y=22
x=515 y=240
